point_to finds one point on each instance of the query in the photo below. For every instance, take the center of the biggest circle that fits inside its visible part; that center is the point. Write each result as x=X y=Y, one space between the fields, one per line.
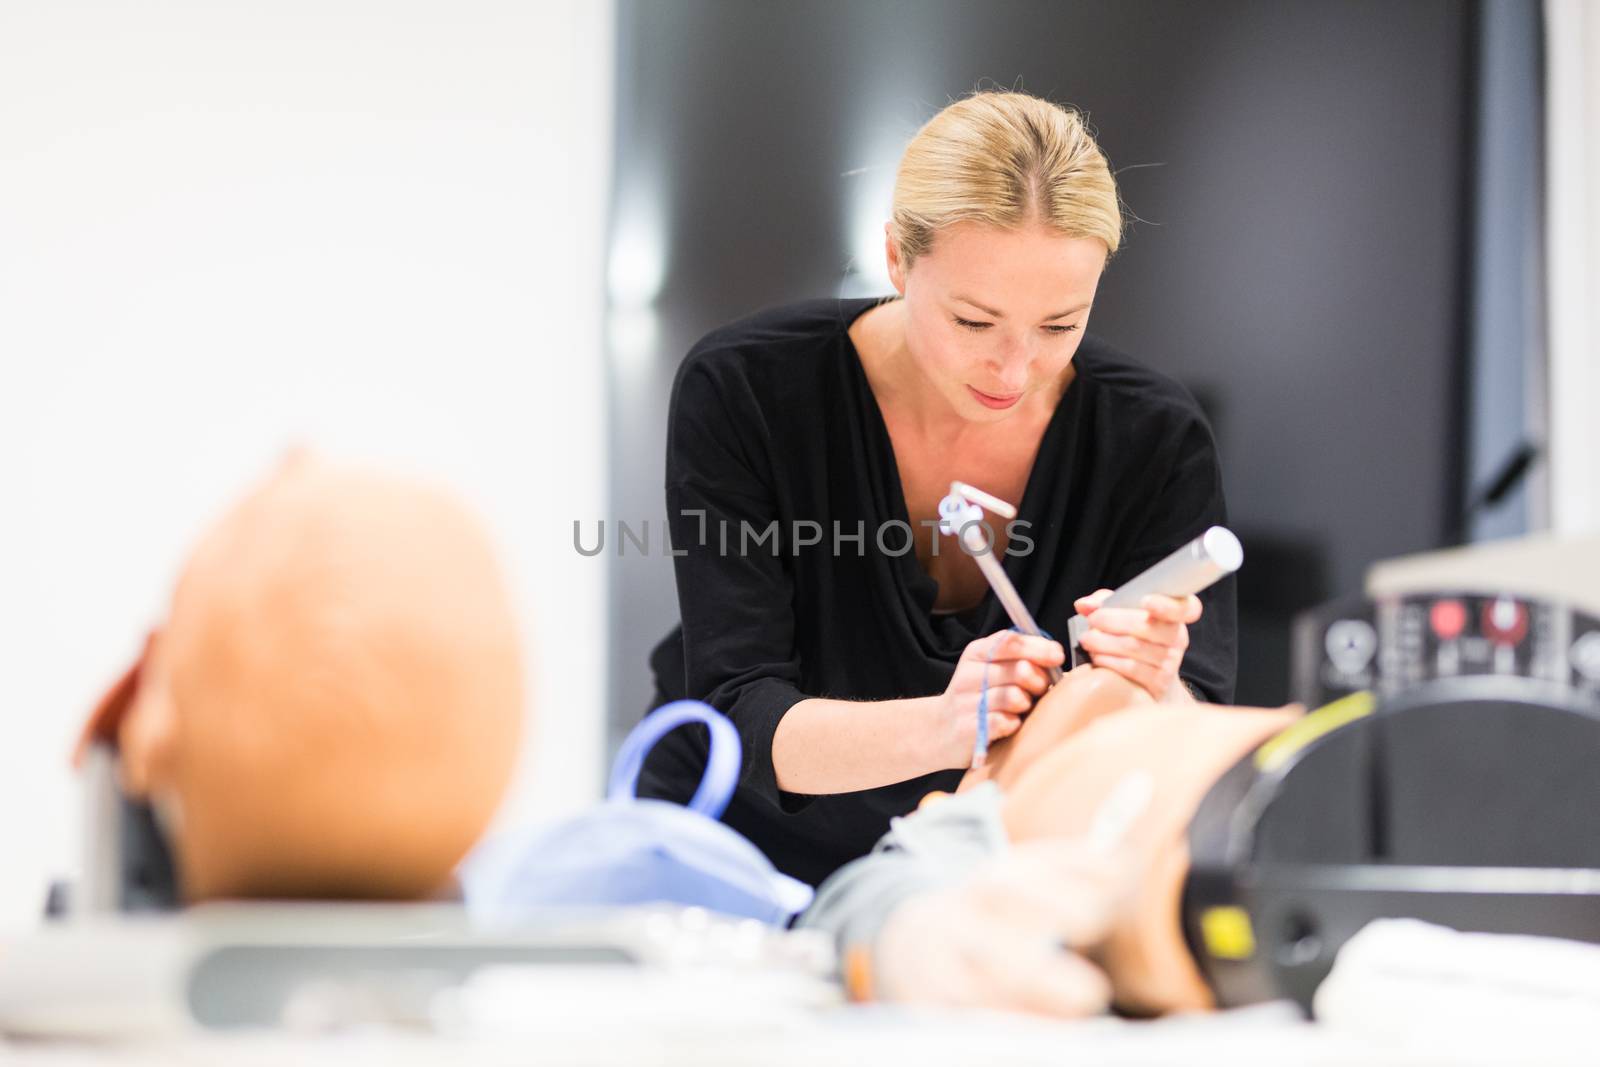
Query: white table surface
x=1272 y=1034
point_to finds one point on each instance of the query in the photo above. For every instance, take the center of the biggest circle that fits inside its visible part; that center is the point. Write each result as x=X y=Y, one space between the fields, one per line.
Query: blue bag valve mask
x=632 y=851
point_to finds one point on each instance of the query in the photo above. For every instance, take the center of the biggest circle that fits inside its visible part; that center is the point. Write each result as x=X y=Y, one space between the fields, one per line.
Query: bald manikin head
x=333 y=705
x=1082 y=742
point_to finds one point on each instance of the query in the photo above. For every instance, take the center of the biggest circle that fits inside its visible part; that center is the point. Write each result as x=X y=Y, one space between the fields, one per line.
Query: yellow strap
x=1278 y=751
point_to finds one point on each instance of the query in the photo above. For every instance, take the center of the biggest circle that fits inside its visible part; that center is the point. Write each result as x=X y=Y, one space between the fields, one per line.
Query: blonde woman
x=809 y=447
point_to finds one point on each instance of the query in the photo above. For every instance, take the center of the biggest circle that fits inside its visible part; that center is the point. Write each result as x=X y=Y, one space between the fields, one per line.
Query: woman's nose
x=1010 y=363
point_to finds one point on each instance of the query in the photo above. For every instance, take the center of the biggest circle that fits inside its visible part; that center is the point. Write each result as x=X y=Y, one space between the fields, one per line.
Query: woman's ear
x=891 y=256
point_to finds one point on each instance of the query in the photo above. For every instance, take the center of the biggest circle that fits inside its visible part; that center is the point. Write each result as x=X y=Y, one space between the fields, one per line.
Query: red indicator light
x=1448 y=618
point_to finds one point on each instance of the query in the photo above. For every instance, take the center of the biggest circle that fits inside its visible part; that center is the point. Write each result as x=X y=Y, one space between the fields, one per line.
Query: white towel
x=1402 y=978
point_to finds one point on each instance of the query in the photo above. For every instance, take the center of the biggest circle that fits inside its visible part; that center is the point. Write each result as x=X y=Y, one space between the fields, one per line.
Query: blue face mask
x=631 y=851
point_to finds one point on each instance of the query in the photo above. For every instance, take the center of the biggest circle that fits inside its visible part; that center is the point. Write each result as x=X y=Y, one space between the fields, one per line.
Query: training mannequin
x=332 y=707
x=976 y=893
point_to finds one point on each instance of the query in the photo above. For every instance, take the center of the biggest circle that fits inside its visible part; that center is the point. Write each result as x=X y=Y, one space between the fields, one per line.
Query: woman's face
x=994 y=316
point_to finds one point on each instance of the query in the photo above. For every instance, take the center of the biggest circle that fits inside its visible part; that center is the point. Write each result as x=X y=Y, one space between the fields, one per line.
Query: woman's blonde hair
x=1004 y=159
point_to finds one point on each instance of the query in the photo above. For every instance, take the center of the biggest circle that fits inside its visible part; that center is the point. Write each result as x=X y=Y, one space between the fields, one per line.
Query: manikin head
x=1083 y=741
x=332 y=706
x=1005 y=213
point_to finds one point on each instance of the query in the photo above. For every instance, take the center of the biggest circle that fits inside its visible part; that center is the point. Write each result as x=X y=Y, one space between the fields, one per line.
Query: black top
x=772 y=418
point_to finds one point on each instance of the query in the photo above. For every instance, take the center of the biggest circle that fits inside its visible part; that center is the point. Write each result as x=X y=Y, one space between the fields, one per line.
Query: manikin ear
x=891 y=256
x=105 y=721
x=136 y=717
x=146 y=740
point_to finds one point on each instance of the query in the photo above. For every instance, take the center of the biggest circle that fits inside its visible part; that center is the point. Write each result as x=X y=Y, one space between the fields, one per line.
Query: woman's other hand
x=1018 y=670
x=1145 y=644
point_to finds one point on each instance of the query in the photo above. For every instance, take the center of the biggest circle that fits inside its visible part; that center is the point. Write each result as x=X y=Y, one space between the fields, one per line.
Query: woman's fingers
x=1019 y=672
x=1150 y=679
x=1002 y=724
x=1009 y=645
x=1088 y=605
x=1136 y=622
x=1146 y=651
x=1006 y=671
x=999 y=645
x=1183 y=609
x=1162 y=656
x=1010 y=698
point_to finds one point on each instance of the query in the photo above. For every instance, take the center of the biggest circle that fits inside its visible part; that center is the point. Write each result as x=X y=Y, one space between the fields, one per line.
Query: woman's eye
x=971 y=325
x=1060 y=329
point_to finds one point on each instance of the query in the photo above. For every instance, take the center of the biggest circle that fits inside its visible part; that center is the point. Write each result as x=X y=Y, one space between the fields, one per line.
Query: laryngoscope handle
x=1210 y=557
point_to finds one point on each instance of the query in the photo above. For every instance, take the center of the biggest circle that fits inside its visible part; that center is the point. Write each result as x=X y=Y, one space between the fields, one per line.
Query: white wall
x=225 y=227
x=1572 y=93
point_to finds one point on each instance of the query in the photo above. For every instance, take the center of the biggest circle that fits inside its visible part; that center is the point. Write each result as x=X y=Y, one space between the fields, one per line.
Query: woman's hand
x=1145 y=644
x=1018 y=673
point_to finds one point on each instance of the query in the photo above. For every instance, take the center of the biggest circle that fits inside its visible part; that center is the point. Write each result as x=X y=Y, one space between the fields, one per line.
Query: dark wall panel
x=1296 y=170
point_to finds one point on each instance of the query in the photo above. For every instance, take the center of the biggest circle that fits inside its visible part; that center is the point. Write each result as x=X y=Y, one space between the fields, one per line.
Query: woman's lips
x=989 y=400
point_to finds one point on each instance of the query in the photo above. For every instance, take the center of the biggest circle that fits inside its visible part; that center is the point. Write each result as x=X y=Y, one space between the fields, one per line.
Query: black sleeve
x=736 y=600
x=1190 y=501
